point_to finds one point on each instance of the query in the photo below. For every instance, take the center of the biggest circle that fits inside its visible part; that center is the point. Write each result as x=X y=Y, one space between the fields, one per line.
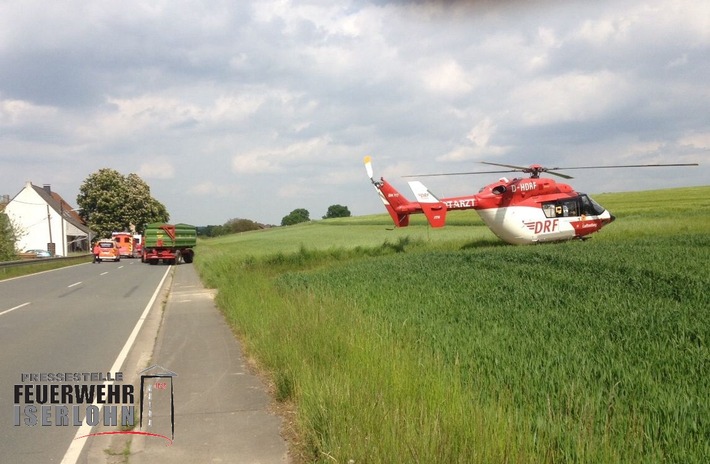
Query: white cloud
x=157 y=167
x=212 y=189
x=148 y=113
x=480 y=146
x=277 y=97
x=481 y=134
x=468 y=153
x=570 y=97
x=295 y=191
x=235 y=108
x=270 y=160
x=603 y=31
x=700 y=140
x=447 y=78
x=255 y=163
x=18 y=112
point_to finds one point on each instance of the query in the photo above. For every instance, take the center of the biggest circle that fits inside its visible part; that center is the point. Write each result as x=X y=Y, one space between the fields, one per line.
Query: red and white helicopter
x=518 y=211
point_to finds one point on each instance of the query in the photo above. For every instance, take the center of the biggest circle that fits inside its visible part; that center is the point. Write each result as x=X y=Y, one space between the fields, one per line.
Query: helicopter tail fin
x=397 y=205
x=432 y=207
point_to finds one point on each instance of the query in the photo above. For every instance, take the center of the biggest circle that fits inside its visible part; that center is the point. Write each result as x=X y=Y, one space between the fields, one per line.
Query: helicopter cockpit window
x=569 y=208
x=589 y=206
x=561 y=208
x=572 y=207
x=549 y=210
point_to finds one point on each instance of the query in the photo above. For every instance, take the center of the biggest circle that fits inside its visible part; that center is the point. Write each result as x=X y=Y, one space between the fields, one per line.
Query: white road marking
x=104 y=273
x=16 y=307
x=74 y=451
x=74 y=284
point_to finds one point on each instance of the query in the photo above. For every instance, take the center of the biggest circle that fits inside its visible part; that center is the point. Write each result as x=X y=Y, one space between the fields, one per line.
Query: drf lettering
x=546 y=226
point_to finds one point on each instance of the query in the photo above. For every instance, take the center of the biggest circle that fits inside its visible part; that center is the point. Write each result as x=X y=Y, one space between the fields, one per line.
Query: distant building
x=47 y=222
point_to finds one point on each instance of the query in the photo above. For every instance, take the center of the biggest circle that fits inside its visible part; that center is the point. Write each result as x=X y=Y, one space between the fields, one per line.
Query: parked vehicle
x=169 y=243
x=37 y=253
x=108 y=249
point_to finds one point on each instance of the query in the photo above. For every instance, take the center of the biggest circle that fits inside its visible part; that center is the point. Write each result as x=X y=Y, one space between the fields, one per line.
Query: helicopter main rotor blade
x=535 y=170
x=627 y=166
x=458 y=173
x=515 y=168
x=558 y=174
x=564 y=176
x=529 y=170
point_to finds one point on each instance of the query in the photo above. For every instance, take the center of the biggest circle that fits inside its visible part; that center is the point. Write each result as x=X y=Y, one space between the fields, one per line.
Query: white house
x=47 y=222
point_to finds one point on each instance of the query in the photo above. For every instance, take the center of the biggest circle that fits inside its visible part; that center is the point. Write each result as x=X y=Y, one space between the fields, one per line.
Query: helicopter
x=519 y=211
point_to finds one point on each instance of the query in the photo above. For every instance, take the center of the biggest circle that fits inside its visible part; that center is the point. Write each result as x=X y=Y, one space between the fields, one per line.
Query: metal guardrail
x=38 y=261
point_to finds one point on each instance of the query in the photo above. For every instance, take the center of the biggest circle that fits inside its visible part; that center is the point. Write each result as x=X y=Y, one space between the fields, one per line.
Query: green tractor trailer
x=169 y=243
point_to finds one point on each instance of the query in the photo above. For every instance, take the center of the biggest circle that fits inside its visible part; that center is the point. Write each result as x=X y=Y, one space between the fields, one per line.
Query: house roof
x=58 y=204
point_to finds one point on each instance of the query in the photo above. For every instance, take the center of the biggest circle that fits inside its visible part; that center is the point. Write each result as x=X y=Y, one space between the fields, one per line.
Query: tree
x=110 y=202
x=141 y=208
x=210 y=231
x=233 y=226
x=237 y=225
x=336 y=211
x=9 y=234
x=296 y=216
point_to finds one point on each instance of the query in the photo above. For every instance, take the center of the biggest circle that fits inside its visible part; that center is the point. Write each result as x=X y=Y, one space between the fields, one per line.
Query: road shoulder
x=222 y=411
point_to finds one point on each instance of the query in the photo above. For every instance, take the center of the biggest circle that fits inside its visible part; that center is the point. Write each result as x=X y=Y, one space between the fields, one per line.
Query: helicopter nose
x=612 y=218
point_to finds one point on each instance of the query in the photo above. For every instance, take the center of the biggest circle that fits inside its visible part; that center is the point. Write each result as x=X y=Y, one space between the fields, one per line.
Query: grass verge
x=436 y=348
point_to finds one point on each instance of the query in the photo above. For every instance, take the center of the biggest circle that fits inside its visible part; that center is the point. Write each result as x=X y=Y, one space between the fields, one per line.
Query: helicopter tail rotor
x=368 y=167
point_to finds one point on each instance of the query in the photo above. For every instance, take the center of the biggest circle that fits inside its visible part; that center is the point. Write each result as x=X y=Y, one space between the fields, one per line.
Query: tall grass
x=452 y=350
x=362 y=393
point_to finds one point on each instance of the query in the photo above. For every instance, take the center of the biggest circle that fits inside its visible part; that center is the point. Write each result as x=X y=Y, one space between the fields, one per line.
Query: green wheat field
x=449 y=346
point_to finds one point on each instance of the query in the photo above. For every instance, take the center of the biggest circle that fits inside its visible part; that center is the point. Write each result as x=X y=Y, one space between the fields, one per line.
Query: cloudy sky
x=252 y=109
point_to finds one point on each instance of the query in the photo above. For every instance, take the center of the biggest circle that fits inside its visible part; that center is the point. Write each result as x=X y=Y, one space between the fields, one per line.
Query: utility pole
x=64 y=237
x=49 y=224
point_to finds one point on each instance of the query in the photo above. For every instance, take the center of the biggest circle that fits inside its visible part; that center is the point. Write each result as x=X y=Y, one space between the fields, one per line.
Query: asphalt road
x=74 y=320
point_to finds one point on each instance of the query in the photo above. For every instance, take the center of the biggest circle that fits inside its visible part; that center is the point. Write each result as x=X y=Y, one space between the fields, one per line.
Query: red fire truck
x=129 y=245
